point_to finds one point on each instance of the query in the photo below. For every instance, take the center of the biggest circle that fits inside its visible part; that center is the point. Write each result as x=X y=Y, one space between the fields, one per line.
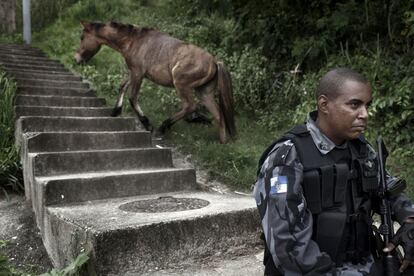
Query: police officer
x=317 y=186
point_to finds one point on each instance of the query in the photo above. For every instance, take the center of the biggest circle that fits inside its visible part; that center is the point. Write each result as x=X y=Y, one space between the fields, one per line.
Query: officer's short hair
x=334 y=80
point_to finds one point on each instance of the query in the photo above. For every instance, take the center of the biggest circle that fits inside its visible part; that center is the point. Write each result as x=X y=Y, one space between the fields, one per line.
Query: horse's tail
x=225 y=88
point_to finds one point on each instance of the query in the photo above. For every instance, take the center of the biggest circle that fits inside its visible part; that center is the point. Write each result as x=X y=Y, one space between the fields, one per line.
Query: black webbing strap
x=342 y=174
x=327 y=183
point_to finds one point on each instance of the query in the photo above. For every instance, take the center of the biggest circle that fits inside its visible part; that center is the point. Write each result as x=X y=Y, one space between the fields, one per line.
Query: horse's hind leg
x=133 y=100
x=118 y=106
x=188 y=106
x=207 y=99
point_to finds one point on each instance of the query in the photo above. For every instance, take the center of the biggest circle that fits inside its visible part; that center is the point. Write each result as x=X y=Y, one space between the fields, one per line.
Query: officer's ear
x=322 y=103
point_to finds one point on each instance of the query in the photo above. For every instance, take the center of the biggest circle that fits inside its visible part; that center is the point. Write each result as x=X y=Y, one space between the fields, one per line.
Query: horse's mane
x=128 y=29
x=125 y=29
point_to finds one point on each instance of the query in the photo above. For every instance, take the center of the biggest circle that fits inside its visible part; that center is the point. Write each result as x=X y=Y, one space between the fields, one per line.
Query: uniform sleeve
x=401 y=207
x=286 y=221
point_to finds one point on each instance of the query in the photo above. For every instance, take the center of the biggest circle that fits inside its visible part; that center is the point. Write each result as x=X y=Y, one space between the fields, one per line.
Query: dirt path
x=25 y=248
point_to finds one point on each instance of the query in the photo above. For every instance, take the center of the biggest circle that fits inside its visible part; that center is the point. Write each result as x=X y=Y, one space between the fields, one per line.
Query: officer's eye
x=354 y=105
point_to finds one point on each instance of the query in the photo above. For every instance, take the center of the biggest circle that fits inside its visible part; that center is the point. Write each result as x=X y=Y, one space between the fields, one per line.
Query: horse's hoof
x=116 y=112
x=197 y=117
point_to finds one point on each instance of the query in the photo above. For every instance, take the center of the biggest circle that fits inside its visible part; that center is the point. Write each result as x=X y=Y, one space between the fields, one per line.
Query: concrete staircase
x=96 y=183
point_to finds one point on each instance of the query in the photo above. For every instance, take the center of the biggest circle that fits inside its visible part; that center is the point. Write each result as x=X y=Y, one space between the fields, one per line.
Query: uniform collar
x=323 y=143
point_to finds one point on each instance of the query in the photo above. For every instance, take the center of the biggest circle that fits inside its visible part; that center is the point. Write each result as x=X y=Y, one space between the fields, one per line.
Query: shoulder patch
x=278 y=184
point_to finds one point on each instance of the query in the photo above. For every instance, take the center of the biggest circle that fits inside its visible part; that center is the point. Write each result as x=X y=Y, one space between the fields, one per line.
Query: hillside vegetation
x=261 y=42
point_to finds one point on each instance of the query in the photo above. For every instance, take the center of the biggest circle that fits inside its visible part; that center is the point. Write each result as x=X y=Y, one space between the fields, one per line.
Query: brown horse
x=166 y=61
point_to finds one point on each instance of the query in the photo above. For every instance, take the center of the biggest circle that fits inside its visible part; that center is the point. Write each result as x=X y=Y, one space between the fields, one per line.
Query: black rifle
x=392 y=261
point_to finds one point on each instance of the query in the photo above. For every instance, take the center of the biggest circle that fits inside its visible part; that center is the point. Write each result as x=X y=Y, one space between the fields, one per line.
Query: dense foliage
x=373 y=37
x=44 y=12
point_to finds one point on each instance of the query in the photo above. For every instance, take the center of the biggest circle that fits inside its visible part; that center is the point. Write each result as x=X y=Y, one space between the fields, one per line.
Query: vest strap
x=328 y=181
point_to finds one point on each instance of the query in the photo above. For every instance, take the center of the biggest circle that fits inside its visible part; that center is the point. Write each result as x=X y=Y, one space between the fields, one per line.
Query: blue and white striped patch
x=278 y=184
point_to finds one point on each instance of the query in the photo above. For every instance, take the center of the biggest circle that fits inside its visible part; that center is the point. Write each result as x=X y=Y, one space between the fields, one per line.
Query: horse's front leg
x=118 y=106
x=133 y=100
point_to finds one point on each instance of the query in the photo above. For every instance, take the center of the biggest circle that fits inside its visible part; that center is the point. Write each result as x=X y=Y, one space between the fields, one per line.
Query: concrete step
x=65 y=124
x=54 y=101
x=60 y=111
x=126 y=238
x=76 y=141
x=23 y=61
x=21 y=51
x=42 y=82
x=42 y=68
x=247 y=263
x=26 y=57
x=57 y=91
x=18 y=46
x=22 y=70
x=74 y=188
x=94 y=161
x=45 y=76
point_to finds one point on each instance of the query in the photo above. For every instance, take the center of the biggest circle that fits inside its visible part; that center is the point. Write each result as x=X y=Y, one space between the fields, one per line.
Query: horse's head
x=90 y=42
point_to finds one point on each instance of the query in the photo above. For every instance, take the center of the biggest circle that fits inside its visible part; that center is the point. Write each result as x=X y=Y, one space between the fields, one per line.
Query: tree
x=7 y=16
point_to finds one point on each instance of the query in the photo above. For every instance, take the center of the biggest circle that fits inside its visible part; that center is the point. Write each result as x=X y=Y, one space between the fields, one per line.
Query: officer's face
x=347 y=114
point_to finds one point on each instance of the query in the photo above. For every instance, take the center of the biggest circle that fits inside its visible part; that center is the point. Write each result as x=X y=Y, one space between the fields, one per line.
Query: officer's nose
x=363 y=113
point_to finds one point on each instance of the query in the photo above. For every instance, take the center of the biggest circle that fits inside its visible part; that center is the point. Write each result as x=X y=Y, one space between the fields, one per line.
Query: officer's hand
x=405 y=238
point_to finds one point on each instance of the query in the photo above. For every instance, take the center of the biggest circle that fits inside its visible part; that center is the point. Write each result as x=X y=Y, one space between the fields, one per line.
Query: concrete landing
x=125 y=242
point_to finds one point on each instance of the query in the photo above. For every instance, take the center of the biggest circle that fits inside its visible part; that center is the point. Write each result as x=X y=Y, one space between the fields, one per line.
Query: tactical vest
x=337 y=187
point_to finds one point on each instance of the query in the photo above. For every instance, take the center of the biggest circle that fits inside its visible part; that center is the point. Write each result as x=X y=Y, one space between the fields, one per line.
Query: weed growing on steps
x=10 y=168
x=5 y=267
x=72 y=269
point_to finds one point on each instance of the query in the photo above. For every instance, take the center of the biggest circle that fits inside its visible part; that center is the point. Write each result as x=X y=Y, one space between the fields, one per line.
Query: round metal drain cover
x=164 y=204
